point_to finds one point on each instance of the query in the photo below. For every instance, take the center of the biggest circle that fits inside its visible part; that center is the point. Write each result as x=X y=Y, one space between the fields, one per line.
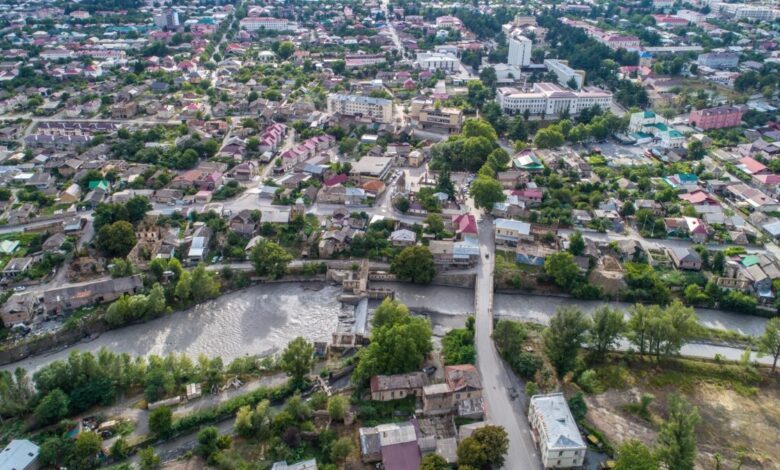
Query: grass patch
x=372 y=413
x=614 y=376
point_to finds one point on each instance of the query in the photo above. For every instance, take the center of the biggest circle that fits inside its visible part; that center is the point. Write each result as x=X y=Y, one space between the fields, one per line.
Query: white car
x=20 y=288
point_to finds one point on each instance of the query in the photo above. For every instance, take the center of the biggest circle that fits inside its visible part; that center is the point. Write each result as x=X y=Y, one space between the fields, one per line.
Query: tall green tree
x=564 y=337
x=399 y=343
x=434 y=462
x=116 y=239
x=634 y=455
x=486 y=192
x=270 y=259
x=297 y=360
x=603 y=337
x=677 y=437
x=769 y=342
x=88 y=447
x=52 y=408
x=414 y=264
x=562 y=268
x=161 y=421
x=577 y=243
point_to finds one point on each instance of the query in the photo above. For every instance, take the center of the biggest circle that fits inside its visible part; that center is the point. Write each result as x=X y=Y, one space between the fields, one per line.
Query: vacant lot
x=739 y=407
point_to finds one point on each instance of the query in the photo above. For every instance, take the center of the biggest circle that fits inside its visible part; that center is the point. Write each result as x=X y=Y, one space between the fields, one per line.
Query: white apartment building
x=555 y=432
x=549 y=99
x=565 y=73
x=519 y=50
x=256 y=23
x=437 y=61
x=378 y=109
x=168 y=19
x=744 y=11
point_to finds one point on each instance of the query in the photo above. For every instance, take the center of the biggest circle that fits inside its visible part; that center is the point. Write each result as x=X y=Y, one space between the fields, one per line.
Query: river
x=263 y=318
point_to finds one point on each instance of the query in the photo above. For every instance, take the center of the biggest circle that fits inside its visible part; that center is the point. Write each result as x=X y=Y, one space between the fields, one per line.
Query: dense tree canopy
x=399 y=343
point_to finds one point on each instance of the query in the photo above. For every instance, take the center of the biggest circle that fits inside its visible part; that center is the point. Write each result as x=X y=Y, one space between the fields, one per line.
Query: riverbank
x=263 y=318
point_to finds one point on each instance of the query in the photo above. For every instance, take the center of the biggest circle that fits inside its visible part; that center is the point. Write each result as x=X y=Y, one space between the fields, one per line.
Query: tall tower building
x=519 y=50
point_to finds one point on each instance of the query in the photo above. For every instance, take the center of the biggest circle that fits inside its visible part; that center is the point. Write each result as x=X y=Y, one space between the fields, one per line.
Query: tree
x=148 y=459
x=116 y=239
x=161 y=421
x=208 y=438
x=471 y=454
x=486 y=192
x=495 y=442
x=444 y=184
x=340 y=450
x=435 y=223
x=120 y=449
x=634 y=455
x=434 y=462
x=769 y=342
x=337 y=407
x=270 y=259
x=399 y=343
x=297 y=360
x=389 y=313
x=52 y=408
x=563 y=338
x=414 y=264
x=286 y=49
x=243 y=424
x=561 y=267
x=718 y=262
x=603 y=336
x=549 y=137
x=479 y=128
x=88 y=446
x=677 y=438
x=696 y=150
x=577 y=406
x=576 y=243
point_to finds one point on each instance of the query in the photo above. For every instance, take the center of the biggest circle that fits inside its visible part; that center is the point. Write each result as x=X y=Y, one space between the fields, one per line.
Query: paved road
x=496 y=377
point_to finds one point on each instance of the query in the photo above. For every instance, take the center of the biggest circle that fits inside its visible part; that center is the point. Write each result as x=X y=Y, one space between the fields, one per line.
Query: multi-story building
x=437 y=61
x=555 y=432
x=168 y=19
x=354 y=61
x=519 y=50
x=565 y=73
x=718 y=60
x=717 y=118
x=646 y=126
x=549 y=99
x=437 y=118
x=256 y=23
x=378 y=109
x=618 y=41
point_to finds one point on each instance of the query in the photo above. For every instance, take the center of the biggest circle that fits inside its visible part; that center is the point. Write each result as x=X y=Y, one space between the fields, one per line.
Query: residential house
x=398 y=386
x=310 y=464
x=403 y=238
x=199 y=247
x=244 y=224
x=511 y=232
x=71 y=194
x=79 y=295
x=685 y=258
x=393 y=444
x=464 y=225
x=555 y=432
x=20 y=454
x=17 y=266
x=54 y=242
x=461 y=383
x=751 y=198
